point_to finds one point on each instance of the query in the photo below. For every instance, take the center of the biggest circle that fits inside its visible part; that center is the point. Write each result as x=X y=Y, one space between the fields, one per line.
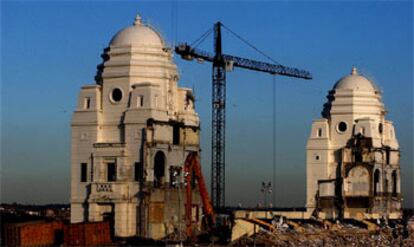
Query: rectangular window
x=358 y=157
x=84 y=172
x=176 y=135
x=87 y=103
x=139 y=171
x=319 y=132
x=140 y=101
x=388 y=156
x=111 y=172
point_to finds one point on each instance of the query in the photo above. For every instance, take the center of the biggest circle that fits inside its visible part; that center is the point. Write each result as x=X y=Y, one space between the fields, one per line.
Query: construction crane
x=222 y=63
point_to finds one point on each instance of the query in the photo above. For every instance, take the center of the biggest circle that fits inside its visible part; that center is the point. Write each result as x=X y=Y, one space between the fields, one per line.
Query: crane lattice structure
x=222 y=63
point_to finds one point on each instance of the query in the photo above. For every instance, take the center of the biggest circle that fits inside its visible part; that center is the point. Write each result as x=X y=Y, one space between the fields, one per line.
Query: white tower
x=130 y=132
x=353 y=155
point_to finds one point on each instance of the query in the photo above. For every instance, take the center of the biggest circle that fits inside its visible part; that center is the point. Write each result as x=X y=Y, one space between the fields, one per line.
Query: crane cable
x=274 y=142
x=250 y=45
x=174 y=21
x=200 y=40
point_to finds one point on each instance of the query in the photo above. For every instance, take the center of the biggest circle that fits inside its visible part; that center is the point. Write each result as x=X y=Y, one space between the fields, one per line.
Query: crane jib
x=188 y=53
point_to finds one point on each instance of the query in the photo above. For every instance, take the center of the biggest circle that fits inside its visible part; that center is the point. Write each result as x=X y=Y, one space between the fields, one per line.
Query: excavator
x=217 y=226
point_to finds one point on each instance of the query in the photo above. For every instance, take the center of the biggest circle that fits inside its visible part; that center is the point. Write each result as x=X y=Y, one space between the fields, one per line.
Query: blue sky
x=50 y=49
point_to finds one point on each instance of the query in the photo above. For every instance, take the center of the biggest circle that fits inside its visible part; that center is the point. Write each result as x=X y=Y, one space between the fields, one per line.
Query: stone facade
x=353 y=155
x=131 y=133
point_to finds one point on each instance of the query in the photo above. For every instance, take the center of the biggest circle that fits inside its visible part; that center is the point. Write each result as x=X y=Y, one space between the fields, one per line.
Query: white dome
x=355 y=81
x=137 y=34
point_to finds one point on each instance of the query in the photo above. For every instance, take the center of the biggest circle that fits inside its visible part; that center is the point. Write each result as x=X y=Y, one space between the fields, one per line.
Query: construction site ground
x=344 y=234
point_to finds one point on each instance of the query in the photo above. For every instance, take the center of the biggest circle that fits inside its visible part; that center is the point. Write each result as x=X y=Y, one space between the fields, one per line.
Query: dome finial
x=137 y=21
x=354 y=70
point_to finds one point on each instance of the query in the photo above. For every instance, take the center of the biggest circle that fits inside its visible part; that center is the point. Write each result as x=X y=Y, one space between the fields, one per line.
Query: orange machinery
x=192 y=168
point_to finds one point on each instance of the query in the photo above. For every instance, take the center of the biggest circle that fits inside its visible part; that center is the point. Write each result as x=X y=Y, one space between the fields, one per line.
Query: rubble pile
x=314 y=235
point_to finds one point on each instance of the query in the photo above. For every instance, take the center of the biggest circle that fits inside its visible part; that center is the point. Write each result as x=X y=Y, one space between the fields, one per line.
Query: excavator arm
x=192 y=168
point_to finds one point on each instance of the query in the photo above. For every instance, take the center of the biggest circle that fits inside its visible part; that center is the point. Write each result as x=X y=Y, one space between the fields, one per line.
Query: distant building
x=131 y=133
x=353 y=155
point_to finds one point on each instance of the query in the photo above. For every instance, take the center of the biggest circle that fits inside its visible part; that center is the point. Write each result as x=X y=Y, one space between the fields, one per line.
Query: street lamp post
x=266 y=189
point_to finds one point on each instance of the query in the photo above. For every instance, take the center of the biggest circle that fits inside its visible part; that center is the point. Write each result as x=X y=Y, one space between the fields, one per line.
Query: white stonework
x=353 y=155
x=129 y=130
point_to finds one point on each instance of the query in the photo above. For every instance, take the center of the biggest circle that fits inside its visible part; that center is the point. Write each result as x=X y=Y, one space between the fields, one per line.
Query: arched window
x=376 y=182
x=159 y=169
x=394 y=183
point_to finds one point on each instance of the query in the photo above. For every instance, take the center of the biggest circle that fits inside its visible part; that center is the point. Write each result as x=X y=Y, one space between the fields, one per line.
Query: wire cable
x=172 y=23
x=200 y=40
x=274 y=141
x=250 y=45
x=176 y=21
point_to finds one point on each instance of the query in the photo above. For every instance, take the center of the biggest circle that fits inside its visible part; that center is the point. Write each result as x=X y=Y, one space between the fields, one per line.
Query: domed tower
x=131 y=133
x=353 y=155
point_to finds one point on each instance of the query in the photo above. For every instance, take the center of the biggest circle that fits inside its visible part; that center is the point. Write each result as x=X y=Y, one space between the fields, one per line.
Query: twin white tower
x=353 y=155
x=134 y=127
x=131 y=133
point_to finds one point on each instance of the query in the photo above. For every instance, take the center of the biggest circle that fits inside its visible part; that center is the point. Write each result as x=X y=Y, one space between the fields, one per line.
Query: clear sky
x=50 y=49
